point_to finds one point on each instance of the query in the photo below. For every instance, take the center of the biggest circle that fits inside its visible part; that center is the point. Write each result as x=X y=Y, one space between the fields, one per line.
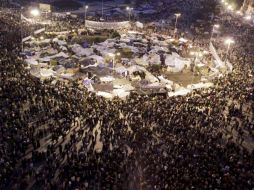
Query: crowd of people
x=59 y=136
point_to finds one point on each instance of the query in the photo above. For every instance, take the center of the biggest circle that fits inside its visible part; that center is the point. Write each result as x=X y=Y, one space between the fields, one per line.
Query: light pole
x=216 y=26
x=129 y=12
x=35 y=13
x=86 y=7
x=114 y=58
x=196 y=55
x=228 y=42
x=21 y=28
x=102 y=4
x=177 y=16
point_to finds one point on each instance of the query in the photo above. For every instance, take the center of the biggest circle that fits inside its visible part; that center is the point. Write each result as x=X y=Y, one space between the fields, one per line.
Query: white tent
x=121 y=70
x=181 y=92
x=200 y=85
x=80 y=51
x=121 y=93
x=46 y=72
x=107 y=79
x=105 y=94
x=97 y=58
x=59 y=42
x=154 y=59
x=139 y=24
x=31 y=61
x=176 y=63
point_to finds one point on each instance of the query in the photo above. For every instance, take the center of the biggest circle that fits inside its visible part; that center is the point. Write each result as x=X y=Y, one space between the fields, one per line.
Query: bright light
x=230 y=7
x=129 y=8
x=111 y=54
x=35 y=12
x=216 y=26
x=205 y=52
x=41 y=38
x=200 y=54
x=178 y=14
x=238 y=12
x=229 y=41
x=86 y=7
x=248 y=17
x=118 y=54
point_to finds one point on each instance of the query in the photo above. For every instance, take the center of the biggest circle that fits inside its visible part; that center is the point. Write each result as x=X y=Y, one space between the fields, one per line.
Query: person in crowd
x=64 y=137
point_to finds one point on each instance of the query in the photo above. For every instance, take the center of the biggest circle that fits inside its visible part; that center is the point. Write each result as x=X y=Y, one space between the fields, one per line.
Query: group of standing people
x=62 y=137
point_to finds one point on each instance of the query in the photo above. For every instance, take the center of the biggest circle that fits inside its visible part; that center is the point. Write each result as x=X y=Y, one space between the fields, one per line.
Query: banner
x=25 y=19
x=39 y=31
x=26 y=38
x=45 y=7
x=219 y=62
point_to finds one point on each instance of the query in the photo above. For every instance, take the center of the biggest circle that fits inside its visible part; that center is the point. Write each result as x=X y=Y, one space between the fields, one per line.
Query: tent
x=139 y=24
x=107 y=79
x=31 y=61
x=80 y=51
x=97 y=58
x=121 y=70
x=200 y=85
x=181 y=92
x=121 y=93
x=105 y=94
x=88 y=84
x=176 y=63
x=46 y=72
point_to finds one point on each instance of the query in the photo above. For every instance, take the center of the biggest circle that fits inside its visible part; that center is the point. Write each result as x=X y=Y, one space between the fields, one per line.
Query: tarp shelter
x=46 y=72
x=139 y=24
x=121 y=70
x=176 y=63
x=121 y=93
x=200 y=85
x=107 y=79
x=105 y=94
x=181 y=92
x=88 y=84
x=59 y=42
x=31 y=61
x=61 y=54
x=98 y=59
x=80 y=51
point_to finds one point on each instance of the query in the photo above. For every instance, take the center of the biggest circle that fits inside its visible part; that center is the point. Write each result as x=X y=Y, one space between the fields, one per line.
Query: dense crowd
x=59 y=136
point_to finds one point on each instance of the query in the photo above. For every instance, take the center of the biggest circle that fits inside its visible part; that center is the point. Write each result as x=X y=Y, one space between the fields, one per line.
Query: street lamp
x=239 y=12
x=129 y=12
x=228 y=42
x=230 y=8
x=86 y=7
x=35 y=12
x=113 y=55
x=195 y=54
x=247 y=17
x=216 y=26
x=177 y=16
